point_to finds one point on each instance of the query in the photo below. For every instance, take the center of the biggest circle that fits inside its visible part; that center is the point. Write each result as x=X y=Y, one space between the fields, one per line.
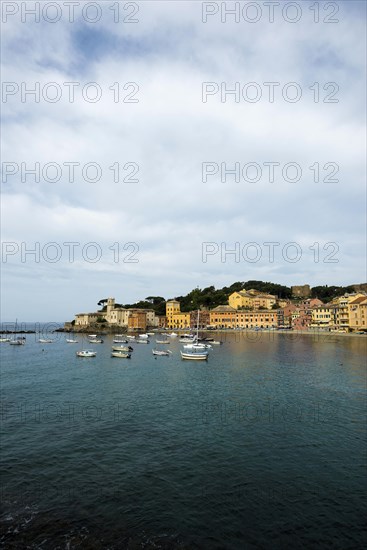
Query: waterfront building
x=137 y=320
x=116 y=315
x=257 y=319
x=204 y=319
x=85 y=319
x=358 y=313
x=223 y=317
x=343 y=311
x=176 y=319
x=285 y=316
x=325 y=317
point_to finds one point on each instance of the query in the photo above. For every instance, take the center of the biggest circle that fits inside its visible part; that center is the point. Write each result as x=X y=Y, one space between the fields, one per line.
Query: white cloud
x=169 y=134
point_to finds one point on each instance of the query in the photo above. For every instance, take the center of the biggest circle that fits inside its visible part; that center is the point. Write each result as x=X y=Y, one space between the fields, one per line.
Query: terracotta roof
x=359 y=300
x=224 y=309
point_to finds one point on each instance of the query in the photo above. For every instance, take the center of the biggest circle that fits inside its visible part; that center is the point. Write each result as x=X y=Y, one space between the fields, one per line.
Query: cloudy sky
x=146 y=173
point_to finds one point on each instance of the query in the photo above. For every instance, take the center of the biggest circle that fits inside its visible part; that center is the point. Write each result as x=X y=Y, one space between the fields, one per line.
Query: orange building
x=137 y=320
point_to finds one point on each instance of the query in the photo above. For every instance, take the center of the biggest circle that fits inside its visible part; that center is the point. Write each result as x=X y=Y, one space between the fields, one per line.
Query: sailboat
x=195 y=352
x=17 y=340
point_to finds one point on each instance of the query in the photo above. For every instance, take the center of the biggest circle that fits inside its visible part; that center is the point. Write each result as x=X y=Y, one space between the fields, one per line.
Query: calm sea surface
x=263 y=446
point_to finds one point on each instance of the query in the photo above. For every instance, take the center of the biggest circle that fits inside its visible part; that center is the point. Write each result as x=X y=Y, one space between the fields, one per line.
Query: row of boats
x=194 y=348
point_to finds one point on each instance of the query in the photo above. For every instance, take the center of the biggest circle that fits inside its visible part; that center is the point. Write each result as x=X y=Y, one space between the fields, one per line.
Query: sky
x=174 y=145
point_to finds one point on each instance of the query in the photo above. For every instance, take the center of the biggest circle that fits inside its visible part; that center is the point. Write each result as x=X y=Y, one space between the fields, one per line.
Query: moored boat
x=46 y=341
x=161 y=352
x=17 y=341
x=71 y=341
x=141 y=341
x=198 y=346
x=195 y=351
x=125 y=349
x=86 y=353
x=195 y=355
x=120 y=354
x=162 y=342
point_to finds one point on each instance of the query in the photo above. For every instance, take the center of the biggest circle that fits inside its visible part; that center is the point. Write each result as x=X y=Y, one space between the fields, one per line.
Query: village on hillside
x=246 y=309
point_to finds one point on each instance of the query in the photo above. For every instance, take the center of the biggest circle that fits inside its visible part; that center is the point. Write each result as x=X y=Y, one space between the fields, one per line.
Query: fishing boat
x=121 y=354
x=86 y=353
x=162 y=342
x=161 y=352
x=125 y=349
x=195 y=352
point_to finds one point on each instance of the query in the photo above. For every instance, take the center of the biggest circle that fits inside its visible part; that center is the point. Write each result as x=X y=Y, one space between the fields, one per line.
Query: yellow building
x=229 y=317
x=257 y=319
x=358 y=313
x=85 y=319
x=324 y=316
x=174 y=317
x=343 y=303
x=251 y=299
x=223 y=317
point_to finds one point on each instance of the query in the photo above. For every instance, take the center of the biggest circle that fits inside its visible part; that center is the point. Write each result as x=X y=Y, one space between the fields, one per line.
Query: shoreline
x=166 y=332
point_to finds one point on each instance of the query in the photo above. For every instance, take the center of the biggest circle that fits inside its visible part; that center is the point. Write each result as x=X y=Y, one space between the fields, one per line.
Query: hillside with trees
x=211 y=297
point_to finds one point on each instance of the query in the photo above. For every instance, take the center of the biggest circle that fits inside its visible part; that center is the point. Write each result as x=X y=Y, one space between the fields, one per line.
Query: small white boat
x=125 y=349
x=195 y=355
x=162 y=342
x=161 y=352
x=197 y=346
x=46 y=341
x=141 y=341
x=130 y=337
x=71 y=341
x=95 y=341
x=216 y=342
x=187 y=339
x=4 y=339
x=120 y=354
x=17 y=341
x=195 y=352
x=144 y=336
x=173 y=335
x=150 y=333
x=92 y=335
x=86 y=353
x=119 y=341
